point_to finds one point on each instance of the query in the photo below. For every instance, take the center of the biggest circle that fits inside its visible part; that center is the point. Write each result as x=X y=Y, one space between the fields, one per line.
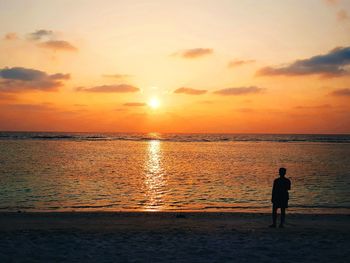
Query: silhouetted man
x=280 y=197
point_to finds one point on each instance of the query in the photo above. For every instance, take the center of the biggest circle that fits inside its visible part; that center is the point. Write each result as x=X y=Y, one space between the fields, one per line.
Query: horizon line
x=133 y=132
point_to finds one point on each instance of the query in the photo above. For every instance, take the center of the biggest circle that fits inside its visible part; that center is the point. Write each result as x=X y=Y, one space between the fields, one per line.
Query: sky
x=192 y=66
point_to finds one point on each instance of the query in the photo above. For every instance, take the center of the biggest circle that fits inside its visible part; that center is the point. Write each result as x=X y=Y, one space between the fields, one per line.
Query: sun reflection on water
x=154 y=176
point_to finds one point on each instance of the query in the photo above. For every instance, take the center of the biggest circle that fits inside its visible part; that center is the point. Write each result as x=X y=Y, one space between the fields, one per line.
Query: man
x=280 y=196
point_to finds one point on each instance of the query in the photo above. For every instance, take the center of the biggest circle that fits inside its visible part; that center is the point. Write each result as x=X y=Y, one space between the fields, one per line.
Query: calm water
x=119 y=172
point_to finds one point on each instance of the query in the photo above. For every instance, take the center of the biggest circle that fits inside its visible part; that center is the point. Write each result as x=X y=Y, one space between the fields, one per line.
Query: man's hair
x=282 y=170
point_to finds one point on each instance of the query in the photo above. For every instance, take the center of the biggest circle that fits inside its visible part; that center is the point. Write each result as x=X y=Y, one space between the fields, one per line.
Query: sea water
x=171 y=172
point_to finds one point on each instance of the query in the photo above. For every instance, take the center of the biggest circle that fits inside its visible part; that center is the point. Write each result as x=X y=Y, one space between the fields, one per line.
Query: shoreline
x=85 y=220
x=194 y=212
x=289 y=211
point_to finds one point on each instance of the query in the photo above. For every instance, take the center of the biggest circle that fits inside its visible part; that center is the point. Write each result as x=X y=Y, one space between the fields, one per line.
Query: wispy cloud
x=40 y=34
x=342 y=15
x=119 y=88
x=134 y=104
x=22 y=79
x=316 y=107
x=58 y=45
x=236 y=91
x=48 y=39
x=206 y=102
x=341 y=92
x=332 y=2
x=195 y=52
x=116 y=76
x=332 y=64
x=6 y=97
x=190 y=91
x=237 y=63
x=246 y=110
x=11 y=36
x=121 y=109
x=29 y=107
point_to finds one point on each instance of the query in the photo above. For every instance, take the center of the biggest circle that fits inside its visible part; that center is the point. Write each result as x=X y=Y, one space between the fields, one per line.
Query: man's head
x=282 y=171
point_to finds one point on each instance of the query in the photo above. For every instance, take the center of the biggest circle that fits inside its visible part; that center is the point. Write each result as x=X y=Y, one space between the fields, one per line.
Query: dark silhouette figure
x=280 y=197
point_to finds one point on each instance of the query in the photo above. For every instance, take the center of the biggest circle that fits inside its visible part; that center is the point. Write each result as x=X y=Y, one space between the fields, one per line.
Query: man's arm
x=273 y=191
x=289 y=185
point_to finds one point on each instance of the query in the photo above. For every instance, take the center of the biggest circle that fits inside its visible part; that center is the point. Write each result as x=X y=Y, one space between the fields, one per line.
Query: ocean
x=42 y=171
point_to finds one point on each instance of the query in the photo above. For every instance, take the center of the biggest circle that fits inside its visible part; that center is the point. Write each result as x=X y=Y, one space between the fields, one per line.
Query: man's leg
x=274 y=216
x=283 y=216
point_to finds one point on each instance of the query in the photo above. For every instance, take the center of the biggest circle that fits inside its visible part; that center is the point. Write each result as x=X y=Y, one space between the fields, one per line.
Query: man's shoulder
x=284 y=179
x=278 y=179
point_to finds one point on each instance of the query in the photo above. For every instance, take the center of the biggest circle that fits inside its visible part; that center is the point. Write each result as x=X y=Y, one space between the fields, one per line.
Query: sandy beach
x=171 y=237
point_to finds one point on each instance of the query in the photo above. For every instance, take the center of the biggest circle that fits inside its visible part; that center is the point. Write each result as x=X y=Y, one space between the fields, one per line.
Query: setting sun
x=154 y=103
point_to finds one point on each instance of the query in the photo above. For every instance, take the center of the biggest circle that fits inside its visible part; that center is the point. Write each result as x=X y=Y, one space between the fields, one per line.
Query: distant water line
x=176 y=137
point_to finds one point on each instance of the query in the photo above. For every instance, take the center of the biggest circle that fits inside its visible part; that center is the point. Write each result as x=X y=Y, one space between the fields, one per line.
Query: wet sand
x=171 y=237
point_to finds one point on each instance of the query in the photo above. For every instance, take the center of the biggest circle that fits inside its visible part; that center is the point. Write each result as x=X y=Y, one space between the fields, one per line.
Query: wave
x=278 y=138
x=269 y=206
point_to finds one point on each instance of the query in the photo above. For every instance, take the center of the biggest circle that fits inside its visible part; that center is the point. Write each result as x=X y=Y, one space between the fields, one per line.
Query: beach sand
x=172 y=237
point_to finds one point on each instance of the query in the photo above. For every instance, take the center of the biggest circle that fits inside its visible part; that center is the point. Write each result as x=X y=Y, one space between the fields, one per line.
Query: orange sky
x=213 y=66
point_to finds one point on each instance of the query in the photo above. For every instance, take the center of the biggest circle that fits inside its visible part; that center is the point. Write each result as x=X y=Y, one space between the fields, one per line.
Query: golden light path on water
x=154 y=177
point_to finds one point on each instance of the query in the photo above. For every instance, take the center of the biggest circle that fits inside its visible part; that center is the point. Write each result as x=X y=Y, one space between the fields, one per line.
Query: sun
x=154 y=103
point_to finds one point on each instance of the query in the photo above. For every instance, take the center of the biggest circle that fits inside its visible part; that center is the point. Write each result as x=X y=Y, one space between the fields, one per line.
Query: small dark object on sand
x=180 y=216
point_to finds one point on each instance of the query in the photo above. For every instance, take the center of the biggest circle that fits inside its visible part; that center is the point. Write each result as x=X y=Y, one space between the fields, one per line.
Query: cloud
x=134 y=104
x=341 y=92
x=29 y=107
x=332 y=64
x=58 y=45
x=59 y=76
x=39 y=34
x=21 y=79
x=11 y=36
x=190 y=91
x=19 y=73
x=332 y=2
x=206 y=102
x=6 y=97
x=47 y=39
x=116 y=76
x=238 y=91
x=195 y=52
x=119 y=88
x=120 y=109
x=323 y=106
x=245 y=110
x=237 y=63
x=342 y=15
